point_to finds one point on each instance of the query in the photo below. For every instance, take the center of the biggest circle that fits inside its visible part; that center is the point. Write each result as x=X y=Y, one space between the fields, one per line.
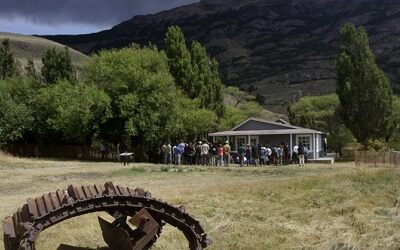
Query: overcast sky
x=74 y=16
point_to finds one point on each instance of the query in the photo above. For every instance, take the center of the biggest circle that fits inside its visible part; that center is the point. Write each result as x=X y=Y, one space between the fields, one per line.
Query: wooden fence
x=377 y=159
x=61 y=151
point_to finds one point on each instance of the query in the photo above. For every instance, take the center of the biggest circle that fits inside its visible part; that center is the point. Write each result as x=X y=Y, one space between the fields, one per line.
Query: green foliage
x=240 y=106
x=195 y=73
x=322 y=113
x=8 y=65
x=231 y=118
x=75 y=111
x=395 y=139
x=180 y=62
x=57 y=65
x=363 y=89
x=146 y=104
x=16 y=113
x=188 y=120
x=238 y=95
x=206 y=83
x=140 y=87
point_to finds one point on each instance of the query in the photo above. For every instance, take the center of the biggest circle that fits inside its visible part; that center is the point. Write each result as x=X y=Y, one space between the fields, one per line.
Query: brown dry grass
x=30 y=47
x=316 y=207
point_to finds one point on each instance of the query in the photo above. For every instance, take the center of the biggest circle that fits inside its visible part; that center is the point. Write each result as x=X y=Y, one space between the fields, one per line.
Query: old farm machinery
x=127 y=206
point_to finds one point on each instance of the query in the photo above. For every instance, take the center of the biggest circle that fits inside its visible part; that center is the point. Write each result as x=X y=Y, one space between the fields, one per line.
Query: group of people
x=216 y=154
x=202 y=153
x=271 y=155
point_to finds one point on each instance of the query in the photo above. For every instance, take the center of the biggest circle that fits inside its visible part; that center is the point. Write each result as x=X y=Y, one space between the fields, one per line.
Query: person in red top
x=220 y=155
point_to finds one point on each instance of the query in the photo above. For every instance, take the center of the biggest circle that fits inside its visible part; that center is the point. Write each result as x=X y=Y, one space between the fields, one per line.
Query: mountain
x=31 y=47
x=281 y=49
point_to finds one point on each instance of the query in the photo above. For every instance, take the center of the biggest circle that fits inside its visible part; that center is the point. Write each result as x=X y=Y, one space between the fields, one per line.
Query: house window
x=240 y=140
x=254 y=140
x=305 y=140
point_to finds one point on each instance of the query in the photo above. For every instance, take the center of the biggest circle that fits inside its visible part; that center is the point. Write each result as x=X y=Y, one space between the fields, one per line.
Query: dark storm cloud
x=91 y=12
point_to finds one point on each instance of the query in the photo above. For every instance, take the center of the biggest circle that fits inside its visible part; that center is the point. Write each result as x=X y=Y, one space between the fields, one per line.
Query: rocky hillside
x=281 y=49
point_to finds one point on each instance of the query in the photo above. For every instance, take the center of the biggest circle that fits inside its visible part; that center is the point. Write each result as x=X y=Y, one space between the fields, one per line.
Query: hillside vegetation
x=30 y=47
x=280 y=49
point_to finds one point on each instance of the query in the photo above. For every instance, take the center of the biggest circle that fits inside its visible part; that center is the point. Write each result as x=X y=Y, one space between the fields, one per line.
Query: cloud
x=98 y=13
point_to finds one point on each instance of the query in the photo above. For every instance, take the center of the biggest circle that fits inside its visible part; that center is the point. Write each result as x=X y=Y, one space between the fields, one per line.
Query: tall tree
x=8 y=65
x=194 y=71
x=179 y=60
x=363 y=89
x=147 y=107
x=57 y=65
x=206 y=81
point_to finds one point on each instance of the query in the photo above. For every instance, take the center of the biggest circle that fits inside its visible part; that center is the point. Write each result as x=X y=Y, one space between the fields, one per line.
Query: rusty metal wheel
x=147 y=214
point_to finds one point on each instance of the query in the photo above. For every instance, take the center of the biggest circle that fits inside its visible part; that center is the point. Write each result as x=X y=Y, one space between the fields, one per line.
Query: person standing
x=254 y=155
x=164 y=153
x=286 y=154
x=220 y=152
x=169 y=153
x=198 y=153
x=227 y=153
x=242 y=152
x=204 y=153
x=248 y=155
x=269 y=154
x=263 y=155
x=295 y=156
x=301 y=154
x=102 y=151
x=275 y=155
x=191 y=154
x=214 y=154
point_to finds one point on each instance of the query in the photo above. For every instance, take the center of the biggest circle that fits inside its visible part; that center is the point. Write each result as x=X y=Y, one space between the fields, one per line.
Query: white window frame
x=237 y=141
x=308 y=136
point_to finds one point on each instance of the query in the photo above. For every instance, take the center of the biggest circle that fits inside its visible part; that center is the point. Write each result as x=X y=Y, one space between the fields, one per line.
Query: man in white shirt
x=295 y=155
x=204 y=153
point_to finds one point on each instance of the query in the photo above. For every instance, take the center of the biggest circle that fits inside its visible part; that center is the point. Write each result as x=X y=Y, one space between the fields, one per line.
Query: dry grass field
x=313 y=207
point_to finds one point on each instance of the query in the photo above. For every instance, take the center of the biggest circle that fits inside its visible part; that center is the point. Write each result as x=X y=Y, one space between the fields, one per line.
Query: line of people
x=215 y=154
x=271 y=155
x=202 y=153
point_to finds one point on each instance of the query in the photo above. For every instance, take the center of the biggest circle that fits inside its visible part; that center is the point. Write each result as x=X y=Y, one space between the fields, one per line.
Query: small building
x=256 y=131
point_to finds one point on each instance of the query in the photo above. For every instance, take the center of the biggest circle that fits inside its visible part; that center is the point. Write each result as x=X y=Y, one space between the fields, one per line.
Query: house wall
x=256 y=125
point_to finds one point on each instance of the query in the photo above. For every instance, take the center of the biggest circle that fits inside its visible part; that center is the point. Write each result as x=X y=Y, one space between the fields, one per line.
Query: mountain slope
x=281 y=49
x=25 y=47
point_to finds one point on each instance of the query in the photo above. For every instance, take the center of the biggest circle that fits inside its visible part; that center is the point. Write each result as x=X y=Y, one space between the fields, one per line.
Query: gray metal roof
x=267 y=132
x=264 y=121
x=290 y=130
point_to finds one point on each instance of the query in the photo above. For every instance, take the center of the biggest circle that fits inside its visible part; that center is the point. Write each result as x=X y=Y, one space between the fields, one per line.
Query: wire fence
x=377 y=159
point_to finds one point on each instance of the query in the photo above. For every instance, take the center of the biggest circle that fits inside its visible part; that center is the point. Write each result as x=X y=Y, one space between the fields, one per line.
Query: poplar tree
x=179 y=60
x=364 y=91
x=194 y=71
x=8 y=66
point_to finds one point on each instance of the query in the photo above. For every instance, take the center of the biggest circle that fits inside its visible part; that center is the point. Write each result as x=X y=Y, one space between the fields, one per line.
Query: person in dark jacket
x=248 y=155
x=255 y=155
